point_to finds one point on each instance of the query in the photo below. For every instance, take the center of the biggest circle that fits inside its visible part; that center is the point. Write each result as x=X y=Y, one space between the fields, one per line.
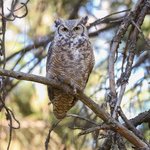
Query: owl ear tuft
x=84 y=20
x=58 y=22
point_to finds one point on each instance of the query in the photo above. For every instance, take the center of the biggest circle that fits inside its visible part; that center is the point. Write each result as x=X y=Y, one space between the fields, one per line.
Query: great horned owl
x=70 y=61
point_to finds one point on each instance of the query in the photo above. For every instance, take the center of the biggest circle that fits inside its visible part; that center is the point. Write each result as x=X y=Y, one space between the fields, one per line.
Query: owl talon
x=75 y=91
x=67 y=89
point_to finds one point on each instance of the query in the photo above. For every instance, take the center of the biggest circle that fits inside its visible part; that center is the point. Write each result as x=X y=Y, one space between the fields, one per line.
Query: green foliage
x=22 y=96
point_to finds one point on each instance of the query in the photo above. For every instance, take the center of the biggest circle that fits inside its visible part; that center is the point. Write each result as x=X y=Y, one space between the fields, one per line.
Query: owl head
x=71 y=28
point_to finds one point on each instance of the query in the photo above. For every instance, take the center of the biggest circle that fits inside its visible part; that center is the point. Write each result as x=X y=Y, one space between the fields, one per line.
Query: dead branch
x=104 y=19
x=138 y=13
x=141 y=60
x=82 y=118
x=114 y=46
x=129 y=125
x=141 y=118
x=36 y=44
x=132 y=47
x=100 y=112
x=92 y=129
x=9 y=113
x=49 y=133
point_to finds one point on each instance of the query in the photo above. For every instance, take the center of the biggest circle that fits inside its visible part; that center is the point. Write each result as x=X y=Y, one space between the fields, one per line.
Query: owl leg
x=71 y=84
x=64 y=81
x=75 y=87
x=60 y=81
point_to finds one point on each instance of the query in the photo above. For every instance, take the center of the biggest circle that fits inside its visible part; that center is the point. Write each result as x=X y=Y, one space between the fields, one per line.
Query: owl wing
x=62 y=102
x=90 y=65
x=48 y=65
x=49 y=54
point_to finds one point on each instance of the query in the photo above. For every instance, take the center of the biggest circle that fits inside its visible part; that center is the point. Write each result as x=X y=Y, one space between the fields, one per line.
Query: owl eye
x=77 y=28
x=64 y=29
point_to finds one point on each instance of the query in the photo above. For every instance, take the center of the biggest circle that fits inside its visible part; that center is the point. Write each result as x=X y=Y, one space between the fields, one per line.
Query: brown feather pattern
x=70 y=61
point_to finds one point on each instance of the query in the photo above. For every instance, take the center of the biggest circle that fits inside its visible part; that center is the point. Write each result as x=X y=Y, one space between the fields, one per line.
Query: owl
x=70 y=60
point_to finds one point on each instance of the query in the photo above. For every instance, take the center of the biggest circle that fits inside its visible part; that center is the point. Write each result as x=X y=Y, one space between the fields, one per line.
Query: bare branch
x=100 y=112
x=132 y=47
x=49 y=133
x=92 y=129
x=36 y=44
x=141 y=118
x=113 y=48
x=101 y=20
x=82 y=118
x=128 y=123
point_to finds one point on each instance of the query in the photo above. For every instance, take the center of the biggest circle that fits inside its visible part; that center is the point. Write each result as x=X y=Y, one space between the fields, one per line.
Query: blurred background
x=27 y=41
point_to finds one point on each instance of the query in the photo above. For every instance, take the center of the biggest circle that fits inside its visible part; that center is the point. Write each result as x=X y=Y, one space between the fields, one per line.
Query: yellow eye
x=64 y=29
x=77 y=28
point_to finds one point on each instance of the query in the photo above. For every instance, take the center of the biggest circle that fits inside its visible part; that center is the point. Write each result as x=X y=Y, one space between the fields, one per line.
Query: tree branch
x=141 y=118
x=100 y=112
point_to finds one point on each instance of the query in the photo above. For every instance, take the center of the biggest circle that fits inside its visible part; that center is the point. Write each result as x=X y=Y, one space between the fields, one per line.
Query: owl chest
x=74 y=55
x=69 y=61
x=71 y=57
x=73 y=50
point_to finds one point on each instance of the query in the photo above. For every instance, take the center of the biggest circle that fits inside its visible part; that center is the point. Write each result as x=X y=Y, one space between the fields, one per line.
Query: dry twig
x=49 y=133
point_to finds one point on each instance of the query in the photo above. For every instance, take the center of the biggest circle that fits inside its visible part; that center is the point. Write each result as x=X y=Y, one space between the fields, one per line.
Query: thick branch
x=141 y=118
x=100 y=112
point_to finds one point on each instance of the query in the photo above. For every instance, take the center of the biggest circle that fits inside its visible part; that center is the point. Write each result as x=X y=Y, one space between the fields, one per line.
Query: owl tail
x=61 y=101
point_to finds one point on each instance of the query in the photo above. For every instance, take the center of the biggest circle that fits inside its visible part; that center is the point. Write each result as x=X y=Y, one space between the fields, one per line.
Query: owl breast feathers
x=70 y=61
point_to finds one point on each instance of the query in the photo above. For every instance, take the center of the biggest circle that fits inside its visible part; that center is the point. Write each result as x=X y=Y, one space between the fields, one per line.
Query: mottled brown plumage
x=70 y=61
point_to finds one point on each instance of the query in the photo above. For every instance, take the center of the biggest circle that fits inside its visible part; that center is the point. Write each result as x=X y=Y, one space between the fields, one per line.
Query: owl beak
x=70 y=34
